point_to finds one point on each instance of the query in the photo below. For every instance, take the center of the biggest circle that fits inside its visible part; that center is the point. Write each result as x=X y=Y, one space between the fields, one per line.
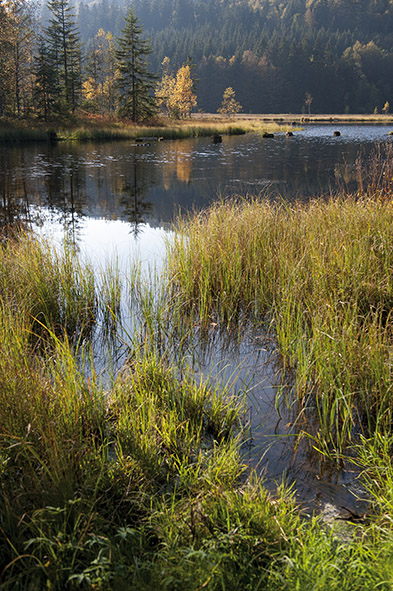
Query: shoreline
x=199 y=125
x=299 y=118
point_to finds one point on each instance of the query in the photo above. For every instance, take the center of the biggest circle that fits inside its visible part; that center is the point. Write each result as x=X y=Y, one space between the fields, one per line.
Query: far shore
x=86 y=127
x=297 y=118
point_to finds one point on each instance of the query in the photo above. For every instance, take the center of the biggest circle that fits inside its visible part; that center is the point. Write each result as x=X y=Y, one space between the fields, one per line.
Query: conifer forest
x=317 y=56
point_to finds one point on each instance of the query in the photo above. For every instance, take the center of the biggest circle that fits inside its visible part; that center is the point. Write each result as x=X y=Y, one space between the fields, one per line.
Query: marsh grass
x=99 y=487
x=320 y=273
x=92 y=476
x=80 y=129
x=48 y=287
x=170 y=131
x=139 y=482
x=16 y=135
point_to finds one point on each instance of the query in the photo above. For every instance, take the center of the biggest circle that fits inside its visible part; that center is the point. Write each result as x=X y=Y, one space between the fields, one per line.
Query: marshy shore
x=97 y=129
x=139 y=481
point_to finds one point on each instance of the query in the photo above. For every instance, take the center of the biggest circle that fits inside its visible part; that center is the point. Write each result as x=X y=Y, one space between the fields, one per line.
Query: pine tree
x=46 y=89
x=135 y=83
x=62 y=40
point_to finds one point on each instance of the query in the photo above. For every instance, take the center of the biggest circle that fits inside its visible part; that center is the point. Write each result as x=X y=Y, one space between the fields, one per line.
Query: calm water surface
x=120 y=199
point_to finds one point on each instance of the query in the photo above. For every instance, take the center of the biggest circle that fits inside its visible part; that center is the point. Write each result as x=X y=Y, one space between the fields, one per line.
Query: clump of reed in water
x=321 y=273
x=106 y=486
x=48 y=287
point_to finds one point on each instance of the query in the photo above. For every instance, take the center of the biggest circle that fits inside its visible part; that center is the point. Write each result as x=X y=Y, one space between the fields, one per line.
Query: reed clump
x=320 y=273
x=17 y=135
x=49 y=288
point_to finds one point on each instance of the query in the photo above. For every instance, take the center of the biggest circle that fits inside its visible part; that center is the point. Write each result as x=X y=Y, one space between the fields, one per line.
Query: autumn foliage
x=175 y=92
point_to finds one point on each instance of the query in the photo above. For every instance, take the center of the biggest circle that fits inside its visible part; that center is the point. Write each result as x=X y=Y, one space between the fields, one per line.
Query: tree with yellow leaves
x=165 y=90
x=17 y=41
x=176 y=93
x=185 y=96
x=99 y=87
x=229 y=106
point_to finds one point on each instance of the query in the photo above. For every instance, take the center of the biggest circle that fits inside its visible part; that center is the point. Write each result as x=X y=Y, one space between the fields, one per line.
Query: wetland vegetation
x=139 y=480
x=88 y=128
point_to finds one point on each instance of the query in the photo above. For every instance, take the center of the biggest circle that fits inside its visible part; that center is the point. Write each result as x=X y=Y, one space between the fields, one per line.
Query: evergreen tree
x=62 y=40
x=46 y=89
x=135 y=83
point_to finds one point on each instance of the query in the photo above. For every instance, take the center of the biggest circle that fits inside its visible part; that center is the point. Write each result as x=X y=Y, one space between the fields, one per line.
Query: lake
x=144 y=186
x=121 y=198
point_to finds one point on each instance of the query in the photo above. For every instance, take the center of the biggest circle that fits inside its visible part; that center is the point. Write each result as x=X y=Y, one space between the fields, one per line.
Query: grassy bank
x=139 y=482
x=15 y=135
x=85 y=129
x=303 y=118
x=89 y=128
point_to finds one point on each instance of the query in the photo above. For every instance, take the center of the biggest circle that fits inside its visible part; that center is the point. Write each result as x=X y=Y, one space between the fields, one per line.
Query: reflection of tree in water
x=72 y=211
x=66 y=196
x=15 y=210
x=133 y=195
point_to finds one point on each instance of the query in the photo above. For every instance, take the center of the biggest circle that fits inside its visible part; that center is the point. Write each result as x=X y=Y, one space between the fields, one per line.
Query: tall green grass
x=136 y=486
x=319 y=276
x=139 y=482
x=47 y=287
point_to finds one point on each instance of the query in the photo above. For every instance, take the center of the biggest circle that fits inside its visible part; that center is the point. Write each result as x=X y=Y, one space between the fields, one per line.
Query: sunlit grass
x=138 y=481
x=92 y=476
x=86 y=129
x=320 y=275
x=172 y=130
x=48 y=287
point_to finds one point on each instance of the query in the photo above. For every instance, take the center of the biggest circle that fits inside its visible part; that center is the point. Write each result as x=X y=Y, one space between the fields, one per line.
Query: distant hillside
x=271 y=52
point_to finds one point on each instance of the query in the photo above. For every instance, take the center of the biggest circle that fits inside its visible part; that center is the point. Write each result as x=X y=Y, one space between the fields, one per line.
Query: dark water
x=121 y=198
x=150 y=184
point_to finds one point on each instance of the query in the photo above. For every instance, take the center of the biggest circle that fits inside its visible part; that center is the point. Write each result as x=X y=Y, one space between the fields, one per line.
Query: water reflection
x=133 y=200
x=151 y=183
x=248 y=363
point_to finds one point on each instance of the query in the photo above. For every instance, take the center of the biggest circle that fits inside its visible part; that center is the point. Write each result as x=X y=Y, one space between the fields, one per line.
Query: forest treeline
x=273 y=53
x=322 y=56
